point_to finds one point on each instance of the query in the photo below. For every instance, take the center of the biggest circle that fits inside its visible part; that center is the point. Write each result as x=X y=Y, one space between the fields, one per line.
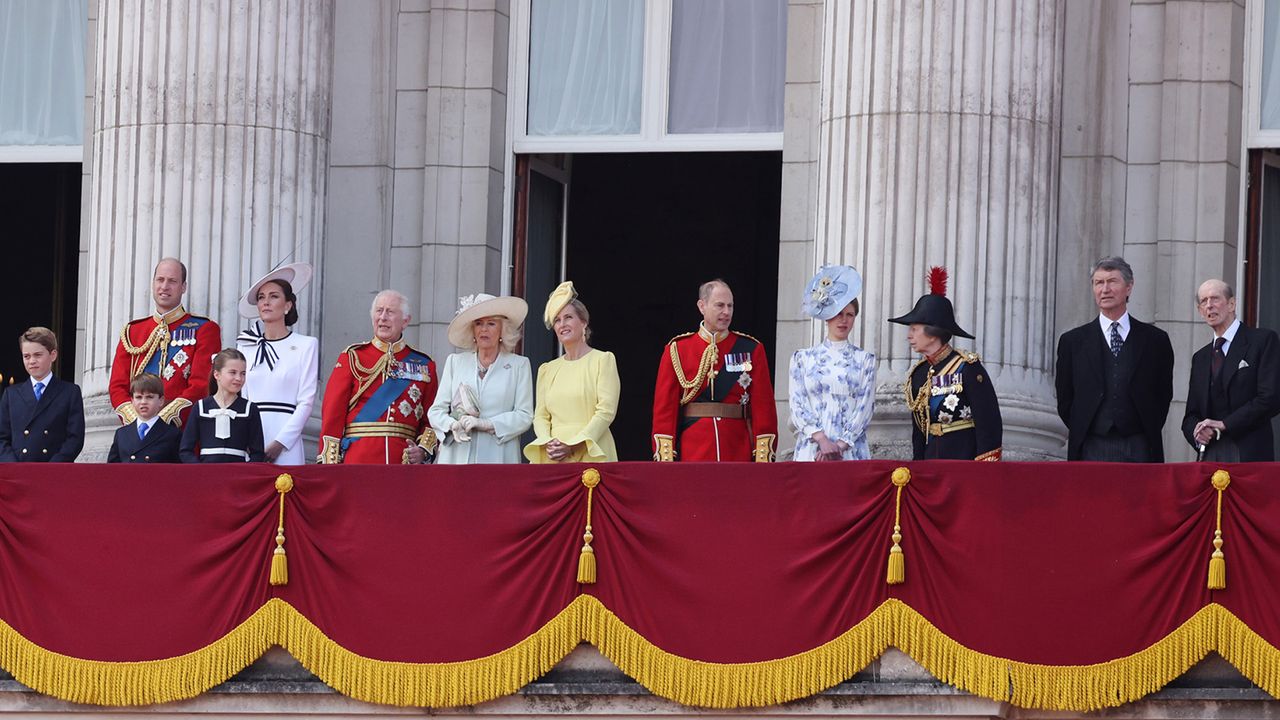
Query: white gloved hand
x=467 y=423
x=483 y=425
x=459 y=432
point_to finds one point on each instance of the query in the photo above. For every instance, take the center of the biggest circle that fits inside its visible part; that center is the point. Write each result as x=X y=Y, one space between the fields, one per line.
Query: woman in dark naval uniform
x=952 y=401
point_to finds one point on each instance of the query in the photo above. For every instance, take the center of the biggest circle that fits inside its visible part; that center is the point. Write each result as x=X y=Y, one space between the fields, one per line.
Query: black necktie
x=1116 y=342
x=1218 y=357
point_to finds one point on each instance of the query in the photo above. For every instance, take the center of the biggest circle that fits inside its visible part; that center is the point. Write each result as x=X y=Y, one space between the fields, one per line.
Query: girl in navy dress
x=224 y=427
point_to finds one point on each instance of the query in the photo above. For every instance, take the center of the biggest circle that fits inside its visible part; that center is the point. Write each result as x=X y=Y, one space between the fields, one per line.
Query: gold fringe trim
x=730 y=685
x=1055 y=687
x=1075 y=688
x=1253 y=656
x=450 y=684
x=144 y=682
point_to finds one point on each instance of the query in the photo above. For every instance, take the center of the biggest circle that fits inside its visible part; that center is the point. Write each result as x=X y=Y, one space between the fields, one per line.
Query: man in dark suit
x=148 y=439
x=41 y=420
x=1235 y=384
x=1114 y=377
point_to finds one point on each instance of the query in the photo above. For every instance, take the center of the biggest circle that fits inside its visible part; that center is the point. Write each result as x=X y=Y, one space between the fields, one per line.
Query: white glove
x=467 y=423
x=483 y=425
x=459 y=431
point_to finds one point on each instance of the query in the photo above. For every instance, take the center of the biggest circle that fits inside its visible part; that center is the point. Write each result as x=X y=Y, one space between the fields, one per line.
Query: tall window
x=42 y=62
x=618 y=75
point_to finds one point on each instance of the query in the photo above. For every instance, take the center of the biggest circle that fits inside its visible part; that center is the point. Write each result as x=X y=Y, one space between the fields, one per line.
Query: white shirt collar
x=1230 y=334
x=1105 y=322
x=44 y=380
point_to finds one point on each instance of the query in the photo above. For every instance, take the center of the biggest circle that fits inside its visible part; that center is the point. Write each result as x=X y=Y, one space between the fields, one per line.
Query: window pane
x=585 y=61
x=42 y=71
x=728 y=65
x=1270 y=116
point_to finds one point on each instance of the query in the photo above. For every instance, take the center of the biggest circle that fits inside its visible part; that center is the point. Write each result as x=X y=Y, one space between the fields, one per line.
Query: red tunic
x=736 y=372
x=179 y=347
x=354 y=431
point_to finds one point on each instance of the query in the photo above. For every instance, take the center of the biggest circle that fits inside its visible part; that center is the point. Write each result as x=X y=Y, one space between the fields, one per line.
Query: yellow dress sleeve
x=534 y=451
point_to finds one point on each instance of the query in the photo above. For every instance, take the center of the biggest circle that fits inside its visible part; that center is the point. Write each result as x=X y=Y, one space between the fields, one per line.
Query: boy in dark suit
x=41 y=420
x=147 y=439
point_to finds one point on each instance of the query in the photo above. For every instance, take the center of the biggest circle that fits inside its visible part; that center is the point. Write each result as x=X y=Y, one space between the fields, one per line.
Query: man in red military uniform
x=375 y=405
x=714 y=398
x=171 y=343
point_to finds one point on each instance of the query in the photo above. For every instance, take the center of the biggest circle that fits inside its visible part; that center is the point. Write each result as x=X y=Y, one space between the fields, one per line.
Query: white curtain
x=42 y=71
x=728 y=66
x=1270 y=116
x=585 y=59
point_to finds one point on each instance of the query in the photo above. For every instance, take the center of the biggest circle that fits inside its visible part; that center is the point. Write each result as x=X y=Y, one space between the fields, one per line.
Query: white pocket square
x=1243 y=364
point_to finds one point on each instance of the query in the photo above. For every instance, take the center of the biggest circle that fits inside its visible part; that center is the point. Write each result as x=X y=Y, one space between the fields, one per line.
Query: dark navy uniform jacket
x=159 y=446
x=963 y=414
x=51 y=430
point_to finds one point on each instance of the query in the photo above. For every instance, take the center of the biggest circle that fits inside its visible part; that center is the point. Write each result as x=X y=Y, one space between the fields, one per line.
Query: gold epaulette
x=912 y=371
x=354 y=346
x=681 y=335
x=970 y=357
x=735 y=332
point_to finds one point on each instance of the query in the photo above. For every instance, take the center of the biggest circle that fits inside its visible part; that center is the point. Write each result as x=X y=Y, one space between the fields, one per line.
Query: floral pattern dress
x=833 y=390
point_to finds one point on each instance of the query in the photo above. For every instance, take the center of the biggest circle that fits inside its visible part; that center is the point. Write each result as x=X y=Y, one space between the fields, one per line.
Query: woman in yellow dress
x=577 y=392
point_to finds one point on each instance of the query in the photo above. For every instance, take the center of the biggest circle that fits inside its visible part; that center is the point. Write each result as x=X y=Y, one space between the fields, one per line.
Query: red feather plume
x=937 y=280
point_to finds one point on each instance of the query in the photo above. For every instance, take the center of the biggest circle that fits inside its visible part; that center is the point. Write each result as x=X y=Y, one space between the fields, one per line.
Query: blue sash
x=185 y=334
x=390 y=389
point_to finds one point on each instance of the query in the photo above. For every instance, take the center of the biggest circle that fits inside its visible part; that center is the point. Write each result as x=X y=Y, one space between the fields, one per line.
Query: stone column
x=939 y=139
x=210 y=143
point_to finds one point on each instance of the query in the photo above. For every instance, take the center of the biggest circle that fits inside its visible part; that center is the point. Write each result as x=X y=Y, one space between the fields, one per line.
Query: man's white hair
x=405 y=307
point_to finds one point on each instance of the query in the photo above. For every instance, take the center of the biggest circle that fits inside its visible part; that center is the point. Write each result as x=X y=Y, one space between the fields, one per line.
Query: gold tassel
x=897 y=561
x=587 y=558
x=1218 y=561
x=280 y=563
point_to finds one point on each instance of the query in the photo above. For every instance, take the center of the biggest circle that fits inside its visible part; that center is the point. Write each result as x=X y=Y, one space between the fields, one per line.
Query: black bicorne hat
x=934 y=309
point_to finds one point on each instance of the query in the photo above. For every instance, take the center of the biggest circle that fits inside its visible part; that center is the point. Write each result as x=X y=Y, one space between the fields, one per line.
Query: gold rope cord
x=140 y=356
x=919 y=404
x=365 y=375
x=705 y=363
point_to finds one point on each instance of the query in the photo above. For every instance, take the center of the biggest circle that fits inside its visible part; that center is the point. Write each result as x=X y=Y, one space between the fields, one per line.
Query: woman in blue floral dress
x=832 y=383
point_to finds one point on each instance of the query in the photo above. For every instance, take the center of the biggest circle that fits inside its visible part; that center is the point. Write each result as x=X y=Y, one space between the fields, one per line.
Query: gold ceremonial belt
x=714 y=410
x=381 y=430
x=940 y=429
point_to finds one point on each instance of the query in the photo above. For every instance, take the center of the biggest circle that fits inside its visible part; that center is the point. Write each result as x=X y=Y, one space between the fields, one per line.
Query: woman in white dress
x=485 y=398
x=833 y=383
x=283 y=364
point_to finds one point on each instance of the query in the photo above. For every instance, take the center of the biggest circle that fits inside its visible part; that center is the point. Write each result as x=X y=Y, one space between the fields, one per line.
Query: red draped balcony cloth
x=1062 y=586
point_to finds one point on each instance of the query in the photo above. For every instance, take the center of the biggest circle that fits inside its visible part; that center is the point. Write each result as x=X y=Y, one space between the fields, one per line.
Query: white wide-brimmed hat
x=482 y=305
x=296 y=274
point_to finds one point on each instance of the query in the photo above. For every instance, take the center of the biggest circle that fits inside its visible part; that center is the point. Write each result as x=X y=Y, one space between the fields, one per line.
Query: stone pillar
x=210 y=143
x=939 y=135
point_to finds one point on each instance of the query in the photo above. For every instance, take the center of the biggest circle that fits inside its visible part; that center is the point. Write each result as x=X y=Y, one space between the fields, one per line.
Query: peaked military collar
x=942 y=354
x=710 y=337
x=170 y=317
x=393 y=348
